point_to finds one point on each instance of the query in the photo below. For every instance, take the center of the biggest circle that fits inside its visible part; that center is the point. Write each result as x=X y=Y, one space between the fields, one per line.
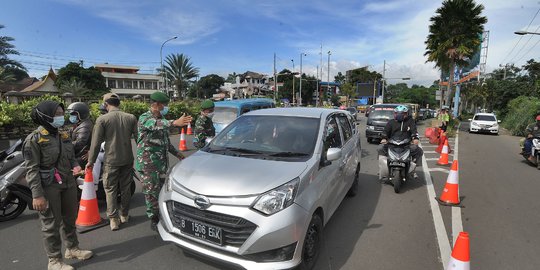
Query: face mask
x=400 y=117
x=164 y=111
x=329 y=130
x=210 y=115
x=73 y=119
x=58 y=121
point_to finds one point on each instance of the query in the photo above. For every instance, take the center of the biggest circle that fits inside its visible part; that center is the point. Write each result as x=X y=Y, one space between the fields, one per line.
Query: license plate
x=201 y=230
x=397 y=164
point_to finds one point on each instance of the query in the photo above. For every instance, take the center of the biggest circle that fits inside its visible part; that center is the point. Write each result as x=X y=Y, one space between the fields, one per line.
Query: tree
x=17 y=73
x=347 y=90
x=231 y=78
x=6 y=77
x=209 y=84
x=178 y=71
x=75 y=87
x=6 y=49
x=339 y=78
x=363 y=75
x=90 y=78
x=393 y=91
x=454 y=36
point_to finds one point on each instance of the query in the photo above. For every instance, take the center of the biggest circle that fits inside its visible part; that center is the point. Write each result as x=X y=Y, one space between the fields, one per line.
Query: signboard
x=366 y=89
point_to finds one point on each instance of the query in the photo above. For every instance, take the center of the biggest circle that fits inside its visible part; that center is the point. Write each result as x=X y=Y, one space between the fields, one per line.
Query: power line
x=528 y=50
x=79 y=58
x=521 y=37
x=523 y=47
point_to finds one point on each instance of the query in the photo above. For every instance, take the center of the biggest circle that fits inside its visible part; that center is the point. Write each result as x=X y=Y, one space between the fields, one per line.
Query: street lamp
x=161 y=59
x=292 y=60
x=301 y=73
x=521 y=33
x=328 y=73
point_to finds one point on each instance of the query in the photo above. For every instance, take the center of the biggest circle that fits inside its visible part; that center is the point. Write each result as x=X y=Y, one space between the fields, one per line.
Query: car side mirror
x=333 y=154
x=498 y=121
x=470 y=119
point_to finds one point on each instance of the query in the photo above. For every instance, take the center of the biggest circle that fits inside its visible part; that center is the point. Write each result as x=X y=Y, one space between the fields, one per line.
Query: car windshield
x=351 y=110
x=382 y=114
x=278 y=137
x=485 y=118
x=224 y=115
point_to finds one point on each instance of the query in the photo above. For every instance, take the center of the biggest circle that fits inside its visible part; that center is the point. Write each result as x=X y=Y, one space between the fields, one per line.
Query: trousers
x=152 y=184
x=117 y=179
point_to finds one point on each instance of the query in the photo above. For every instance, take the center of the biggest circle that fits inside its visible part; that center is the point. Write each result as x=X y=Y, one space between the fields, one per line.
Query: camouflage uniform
x=204 y=128
x=152 y=161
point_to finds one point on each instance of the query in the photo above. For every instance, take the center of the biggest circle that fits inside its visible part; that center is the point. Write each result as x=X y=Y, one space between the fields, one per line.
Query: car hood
x=221 y=175
x=380 y=123
x=484 y=122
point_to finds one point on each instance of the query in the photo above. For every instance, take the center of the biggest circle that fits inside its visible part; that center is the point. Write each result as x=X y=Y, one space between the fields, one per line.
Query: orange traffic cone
x=461 y=258
x=182 y=144
x=443 y=159
x=442 y=139
x=89 y=218
x=450 y=194
x=189 y=131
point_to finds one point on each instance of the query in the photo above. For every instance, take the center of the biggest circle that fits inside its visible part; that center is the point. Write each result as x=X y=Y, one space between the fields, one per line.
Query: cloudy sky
x=222 y=37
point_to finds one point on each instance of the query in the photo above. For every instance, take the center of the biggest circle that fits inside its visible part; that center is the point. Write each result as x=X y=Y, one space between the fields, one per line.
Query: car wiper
x=236 y=149
x=288 y=154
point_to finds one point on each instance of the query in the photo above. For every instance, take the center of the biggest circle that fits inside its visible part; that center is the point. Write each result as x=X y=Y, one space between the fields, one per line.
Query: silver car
x=258 y=195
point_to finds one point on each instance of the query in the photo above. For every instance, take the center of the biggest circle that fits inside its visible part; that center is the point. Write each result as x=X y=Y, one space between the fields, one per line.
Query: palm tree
x=6 y=48
x=6 y=77
x=75 y=87
x=178 y=71
x=454 y=36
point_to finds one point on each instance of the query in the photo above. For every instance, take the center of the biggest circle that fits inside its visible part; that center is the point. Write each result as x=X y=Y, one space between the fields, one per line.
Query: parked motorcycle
x=399 y=164
x=535 y=153
x=15 y=195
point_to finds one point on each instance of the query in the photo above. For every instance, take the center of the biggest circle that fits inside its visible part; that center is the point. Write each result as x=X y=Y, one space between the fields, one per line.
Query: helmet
x=538 y=118
x=401 y=109
x=80 y=109
x=207 y=104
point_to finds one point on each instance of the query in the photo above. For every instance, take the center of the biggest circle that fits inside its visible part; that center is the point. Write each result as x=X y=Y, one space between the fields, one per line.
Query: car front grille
x=377 y=128
x=235 y=230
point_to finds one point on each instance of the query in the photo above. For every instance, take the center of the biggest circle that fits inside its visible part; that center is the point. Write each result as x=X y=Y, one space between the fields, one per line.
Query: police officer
x=50 y=165
x=153 y=144
x=204 y=127
x=116 y=129
x=81 y=136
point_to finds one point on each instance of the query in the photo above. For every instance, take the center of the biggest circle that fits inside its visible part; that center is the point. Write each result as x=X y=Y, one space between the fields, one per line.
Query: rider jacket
x=82 y=137
x=400 y=130
x=534 y=130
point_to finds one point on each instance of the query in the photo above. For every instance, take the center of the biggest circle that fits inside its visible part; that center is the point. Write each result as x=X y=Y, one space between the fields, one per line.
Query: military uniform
x=153 y=146
x=204 y=128
x=45 y=153
x=116 y=128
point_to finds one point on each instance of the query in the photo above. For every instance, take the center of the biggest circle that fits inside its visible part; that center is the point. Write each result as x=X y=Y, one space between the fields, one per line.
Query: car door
x=348 y=150
x=330 y=173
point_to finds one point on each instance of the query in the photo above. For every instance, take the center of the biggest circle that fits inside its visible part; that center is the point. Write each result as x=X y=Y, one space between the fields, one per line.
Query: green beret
x=159 y=97
x=207 y=104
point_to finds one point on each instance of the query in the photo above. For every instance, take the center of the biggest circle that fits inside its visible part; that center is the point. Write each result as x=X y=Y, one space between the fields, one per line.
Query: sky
x=227 y=36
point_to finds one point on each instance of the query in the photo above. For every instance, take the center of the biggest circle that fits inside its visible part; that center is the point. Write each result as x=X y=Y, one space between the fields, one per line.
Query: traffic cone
x=189 y=131
x=450 y=194
x=182 y=144
x=89 y=218
x=443 y=159
x=461 y=258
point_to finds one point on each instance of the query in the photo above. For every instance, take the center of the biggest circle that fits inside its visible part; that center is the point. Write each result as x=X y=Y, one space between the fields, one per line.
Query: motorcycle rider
x=402 y=127
x=81 y=136
x=533 y=131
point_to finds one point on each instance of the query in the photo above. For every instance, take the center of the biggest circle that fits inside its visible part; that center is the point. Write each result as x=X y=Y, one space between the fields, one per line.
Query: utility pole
x=320 y=86
x=275 y=80
x=328 y=75
x=383 y=81
x=317 y=90
x=301 y=73
x=293 y=92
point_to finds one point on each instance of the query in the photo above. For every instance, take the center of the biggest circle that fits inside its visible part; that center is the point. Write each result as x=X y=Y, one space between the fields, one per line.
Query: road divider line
x=457 y=223
x=428 y=159
x=439 y=169
x=440 y=230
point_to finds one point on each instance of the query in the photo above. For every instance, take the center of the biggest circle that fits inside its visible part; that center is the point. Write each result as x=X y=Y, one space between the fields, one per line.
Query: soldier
x=153 y=143
x=204 y=127
x=50 y=165
x=116 y=128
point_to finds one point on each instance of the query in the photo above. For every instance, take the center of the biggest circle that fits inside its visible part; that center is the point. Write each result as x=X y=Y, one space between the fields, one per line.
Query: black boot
x=153 y=223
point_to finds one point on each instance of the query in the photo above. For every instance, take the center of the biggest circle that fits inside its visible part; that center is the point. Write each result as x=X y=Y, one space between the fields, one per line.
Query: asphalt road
x=377 y=229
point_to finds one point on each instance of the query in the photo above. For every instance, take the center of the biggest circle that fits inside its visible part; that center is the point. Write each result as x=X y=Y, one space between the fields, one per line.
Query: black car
x=379 y=115
x=353 y=112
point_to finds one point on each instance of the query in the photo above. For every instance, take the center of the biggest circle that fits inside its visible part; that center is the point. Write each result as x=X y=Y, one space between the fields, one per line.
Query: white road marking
x=433 y=152
x=439 y=170
x=457 y=223
x=432 y=159
x=440 y=230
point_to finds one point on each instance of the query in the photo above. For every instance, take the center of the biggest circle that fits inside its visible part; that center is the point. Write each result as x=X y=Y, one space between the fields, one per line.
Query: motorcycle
x=398 y=166
x=15 y=195
x=535 y=153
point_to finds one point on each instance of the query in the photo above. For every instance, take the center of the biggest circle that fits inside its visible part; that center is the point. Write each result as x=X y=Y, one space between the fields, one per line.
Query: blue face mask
x=164 y=111
x=400 y=117
x=73 y=119
x=58 y=121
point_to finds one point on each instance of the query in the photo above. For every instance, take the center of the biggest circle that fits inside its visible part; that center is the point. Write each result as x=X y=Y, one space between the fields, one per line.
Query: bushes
x=18 y=115
x=521 y=113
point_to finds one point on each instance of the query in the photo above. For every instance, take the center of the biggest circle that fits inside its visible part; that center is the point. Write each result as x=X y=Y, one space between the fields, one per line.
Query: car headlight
x=474 y=124
x=495 y=125
x=277 y=199
x=371 y=127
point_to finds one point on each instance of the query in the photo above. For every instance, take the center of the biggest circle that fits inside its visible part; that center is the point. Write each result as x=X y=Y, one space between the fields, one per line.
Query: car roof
x=297 y=111
x=490 y=114
x=237 y=102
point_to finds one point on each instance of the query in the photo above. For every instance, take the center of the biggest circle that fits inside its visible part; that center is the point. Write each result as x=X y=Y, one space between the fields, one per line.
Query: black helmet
x=80 y=109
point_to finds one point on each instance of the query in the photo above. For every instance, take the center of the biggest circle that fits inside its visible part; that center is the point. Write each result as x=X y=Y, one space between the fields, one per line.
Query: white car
x=484 y=122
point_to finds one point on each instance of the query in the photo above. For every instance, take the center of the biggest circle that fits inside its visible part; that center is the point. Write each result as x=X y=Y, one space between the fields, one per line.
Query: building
x=247 y=85
x=127 y=82
x=31 y=87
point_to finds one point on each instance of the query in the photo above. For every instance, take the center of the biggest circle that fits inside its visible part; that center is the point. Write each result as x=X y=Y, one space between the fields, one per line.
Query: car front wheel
x=312 y=243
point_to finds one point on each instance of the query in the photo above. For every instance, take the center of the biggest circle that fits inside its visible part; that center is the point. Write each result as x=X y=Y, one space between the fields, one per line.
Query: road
x=377 y=229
